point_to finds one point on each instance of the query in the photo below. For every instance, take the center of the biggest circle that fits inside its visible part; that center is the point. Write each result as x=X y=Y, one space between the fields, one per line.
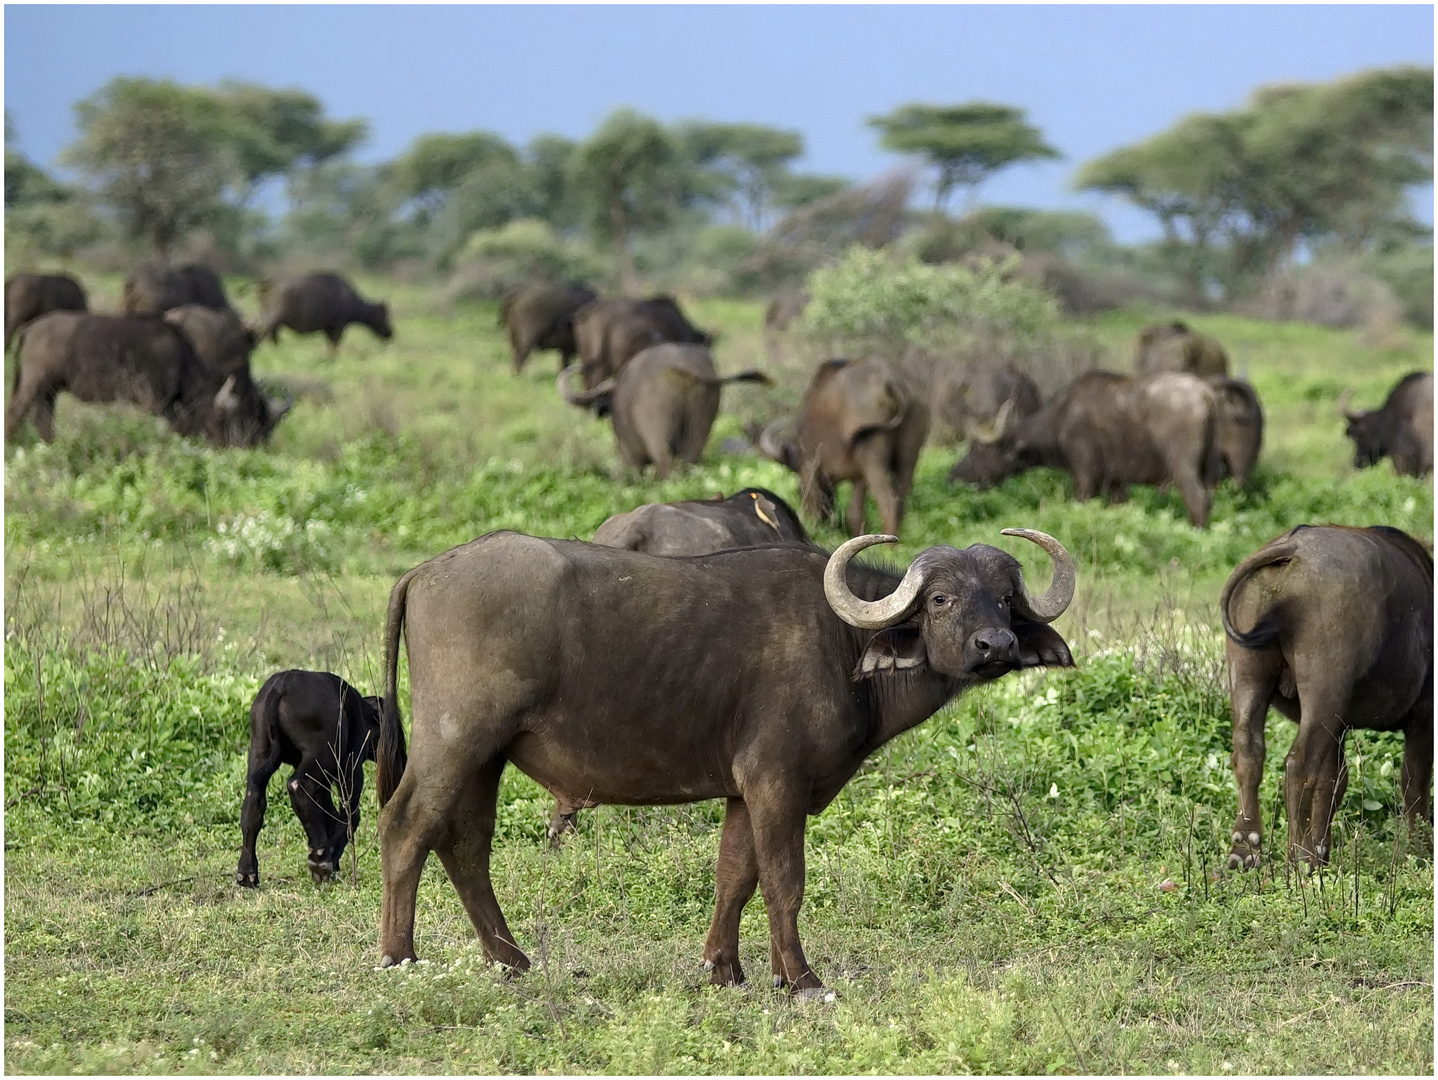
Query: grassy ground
x=1027 y=883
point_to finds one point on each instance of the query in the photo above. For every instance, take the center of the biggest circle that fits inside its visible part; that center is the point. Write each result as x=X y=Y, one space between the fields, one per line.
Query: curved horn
x=771 y=446
x=1060 y=594
x=993 y=432
x=278 y=408
x=870 y=614
x=226 y=398
x=588 y=397
x=1343 y=400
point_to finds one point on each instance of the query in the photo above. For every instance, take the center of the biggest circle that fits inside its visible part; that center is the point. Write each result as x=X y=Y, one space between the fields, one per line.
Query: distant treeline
x=1249 y=201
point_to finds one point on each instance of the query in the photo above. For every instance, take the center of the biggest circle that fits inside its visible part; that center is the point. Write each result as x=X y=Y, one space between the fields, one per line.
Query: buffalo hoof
x=820 y=994
x=250 y=880
x=1247 y=850
x=724 y=972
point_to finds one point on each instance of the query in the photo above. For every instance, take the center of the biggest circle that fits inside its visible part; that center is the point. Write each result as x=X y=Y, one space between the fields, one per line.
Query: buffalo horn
x=770 y=444
x=588 y=397
x=870 y=614
x=226 y=398
x=988 y=433
x=1343 y=400
x=1055 y=601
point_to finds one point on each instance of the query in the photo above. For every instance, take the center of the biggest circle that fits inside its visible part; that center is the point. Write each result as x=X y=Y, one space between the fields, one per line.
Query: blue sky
x=1091 y=77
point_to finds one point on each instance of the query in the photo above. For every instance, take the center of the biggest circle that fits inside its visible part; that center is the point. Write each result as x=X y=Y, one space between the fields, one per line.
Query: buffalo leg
x=858 y=496
x=1315 y=778
x=1197 y=498
x=1252 y=675
x=465 y=854
x=735 y=880
x=264 y=760
x=1417 y=775
x=777 y=822
x=875 y=460
x=309 y=790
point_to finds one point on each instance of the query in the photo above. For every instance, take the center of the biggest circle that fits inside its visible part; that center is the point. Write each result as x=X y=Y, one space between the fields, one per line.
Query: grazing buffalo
x=321 y=725
x=1240 y=425
x=222 y=341
x=1175 y=347
x=155 y=288
x=28 y=296
x=859 y=421
x=1402 y=429
x=1109 y=431
x=610 y=333
x=662 y=403
x=541 y=316
x=137 y=358
x=318 y=303
x=1339 y=636
x=763 y=676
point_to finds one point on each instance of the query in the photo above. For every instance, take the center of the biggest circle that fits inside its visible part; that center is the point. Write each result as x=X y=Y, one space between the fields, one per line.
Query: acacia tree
x=745 y=163
x=628 y=176
x=1237 y=193
x=166 y=158
x=966 y=143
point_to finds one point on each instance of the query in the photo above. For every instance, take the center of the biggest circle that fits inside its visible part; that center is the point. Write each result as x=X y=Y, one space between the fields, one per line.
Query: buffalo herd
x=709 y=649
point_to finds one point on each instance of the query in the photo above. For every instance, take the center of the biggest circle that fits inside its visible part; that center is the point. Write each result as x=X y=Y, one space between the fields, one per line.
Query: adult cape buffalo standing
x=859 y=421
x=1402 y=429
x=28 y=296
x=137 y=358
x=318 y=303
x=610 y=333
x=662 y=403
x=1109 y=431
x=1339 y=636
x=762 y=676
x=541 y=316
x=155 y=288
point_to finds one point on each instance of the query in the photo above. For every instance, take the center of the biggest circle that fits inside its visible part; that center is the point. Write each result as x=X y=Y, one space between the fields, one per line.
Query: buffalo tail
x=1265 y=630
x=390 y=756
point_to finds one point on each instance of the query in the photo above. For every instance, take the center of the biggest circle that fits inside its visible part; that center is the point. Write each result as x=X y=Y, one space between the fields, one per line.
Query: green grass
x=985 y=895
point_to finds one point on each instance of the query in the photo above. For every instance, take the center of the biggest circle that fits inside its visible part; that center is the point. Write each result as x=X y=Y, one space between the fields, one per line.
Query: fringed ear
x=1041 y=646
x=891 y=650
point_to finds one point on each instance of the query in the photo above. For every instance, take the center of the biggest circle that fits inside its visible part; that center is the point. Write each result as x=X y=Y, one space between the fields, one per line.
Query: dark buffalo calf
x=1339 y=636
x=1401 y=430
x=321 y=725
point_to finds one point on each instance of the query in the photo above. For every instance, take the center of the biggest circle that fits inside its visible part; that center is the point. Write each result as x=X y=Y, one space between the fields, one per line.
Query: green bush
x=494 y=260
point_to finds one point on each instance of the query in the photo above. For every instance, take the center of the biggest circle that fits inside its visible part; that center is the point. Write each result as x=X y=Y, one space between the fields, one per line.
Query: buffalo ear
x=891 y=650
x=1041 y=646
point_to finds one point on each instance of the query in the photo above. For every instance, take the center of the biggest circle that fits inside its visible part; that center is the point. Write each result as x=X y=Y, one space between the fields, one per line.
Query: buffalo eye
x=938 y=600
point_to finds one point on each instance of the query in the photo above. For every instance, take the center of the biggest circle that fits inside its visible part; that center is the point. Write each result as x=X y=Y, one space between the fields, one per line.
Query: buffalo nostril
x=989 y=641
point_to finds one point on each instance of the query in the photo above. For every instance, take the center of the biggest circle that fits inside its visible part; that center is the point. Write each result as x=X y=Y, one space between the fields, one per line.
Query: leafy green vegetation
x=1027 y=883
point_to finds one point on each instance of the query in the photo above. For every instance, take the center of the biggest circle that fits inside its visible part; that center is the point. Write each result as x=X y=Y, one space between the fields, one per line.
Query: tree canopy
x=966 y=143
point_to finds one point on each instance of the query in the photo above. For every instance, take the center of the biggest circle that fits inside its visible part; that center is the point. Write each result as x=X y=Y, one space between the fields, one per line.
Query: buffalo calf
x=321 y=725
x=1339 y=636
x=1401 y=430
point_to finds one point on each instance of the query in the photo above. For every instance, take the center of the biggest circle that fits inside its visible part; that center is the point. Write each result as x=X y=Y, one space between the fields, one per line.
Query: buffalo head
x=241 y=414
x=965 y=614
x=1368 y=430
x=382 y=325
x=996 y=451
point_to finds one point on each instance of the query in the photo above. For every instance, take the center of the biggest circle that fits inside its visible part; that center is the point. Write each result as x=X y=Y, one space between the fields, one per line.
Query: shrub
x=494 y=260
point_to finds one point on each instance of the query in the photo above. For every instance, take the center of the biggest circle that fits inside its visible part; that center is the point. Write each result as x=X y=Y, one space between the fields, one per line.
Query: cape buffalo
x=662 y=403
x=318 y=303
x=222 y=341
x=28 y=296
x=541 y=316
x=609 y=333
x=748 y=518
x=1109 y=431
x=859 y=421
x=1402 y=429
x=155 y=288
x=1339 y=636
x=1240 y=425
x=136 y=358
x=321 y=725
x=1175 y=347
x=763 y=676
